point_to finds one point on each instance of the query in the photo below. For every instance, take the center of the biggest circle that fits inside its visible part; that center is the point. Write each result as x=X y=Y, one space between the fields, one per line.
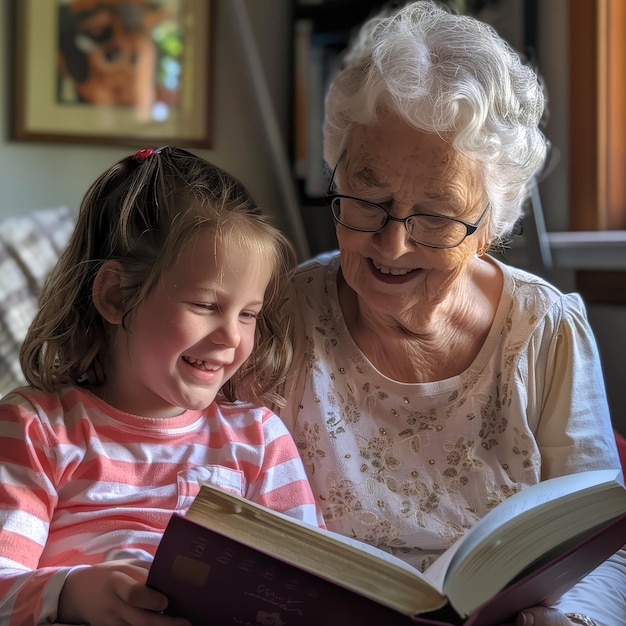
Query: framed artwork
x=127 y=72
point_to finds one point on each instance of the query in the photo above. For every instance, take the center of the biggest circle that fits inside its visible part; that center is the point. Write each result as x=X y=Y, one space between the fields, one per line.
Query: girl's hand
x=113 y=594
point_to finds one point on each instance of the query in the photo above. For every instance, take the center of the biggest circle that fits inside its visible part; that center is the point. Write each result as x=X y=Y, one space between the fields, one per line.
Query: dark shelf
x=329 y=25
x=334 y=15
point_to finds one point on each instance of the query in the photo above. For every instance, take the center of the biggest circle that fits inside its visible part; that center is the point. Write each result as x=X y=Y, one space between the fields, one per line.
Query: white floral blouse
x=412 y=467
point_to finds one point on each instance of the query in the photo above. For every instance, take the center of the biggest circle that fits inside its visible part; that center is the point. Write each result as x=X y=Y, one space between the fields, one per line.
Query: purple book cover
x=216 y=581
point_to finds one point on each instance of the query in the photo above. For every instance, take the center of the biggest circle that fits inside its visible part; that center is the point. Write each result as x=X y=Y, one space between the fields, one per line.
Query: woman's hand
x=540 y=616
x=113 y=594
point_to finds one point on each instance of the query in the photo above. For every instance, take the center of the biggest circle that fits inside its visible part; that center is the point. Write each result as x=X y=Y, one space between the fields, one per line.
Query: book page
x=523 y=528
x=526 y=499
x=546 y=494
x=232 y=503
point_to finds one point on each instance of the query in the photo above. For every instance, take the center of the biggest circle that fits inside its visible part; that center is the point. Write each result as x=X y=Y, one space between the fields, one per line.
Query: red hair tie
x=145 y=153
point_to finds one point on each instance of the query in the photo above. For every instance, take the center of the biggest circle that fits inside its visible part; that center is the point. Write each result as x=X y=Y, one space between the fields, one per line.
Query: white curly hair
x=451 y=75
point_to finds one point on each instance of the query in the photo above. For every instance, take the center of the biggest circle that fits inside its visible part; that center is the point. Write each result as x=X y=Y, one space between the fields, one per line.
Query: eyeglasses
x=433 y=231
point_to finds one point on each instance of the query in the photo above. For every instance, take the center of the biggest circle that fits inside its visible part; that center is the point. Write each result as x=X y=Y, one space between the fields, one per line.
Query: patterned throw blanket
x=30 y=245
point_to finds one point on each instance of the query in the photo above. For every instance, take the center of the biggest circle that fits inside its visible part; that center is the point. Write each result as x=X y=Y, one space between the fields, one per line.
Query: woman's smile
x=392 y=275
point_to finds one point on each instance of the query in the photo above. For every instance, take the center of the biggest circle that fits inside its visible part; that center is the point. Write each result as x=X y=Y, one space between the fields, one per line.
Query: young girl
x=168 y=294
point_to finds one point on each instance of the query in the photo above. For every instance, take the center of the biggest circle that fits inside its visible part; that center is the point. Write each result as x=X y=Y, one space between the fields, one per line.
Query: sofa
x=30 y=245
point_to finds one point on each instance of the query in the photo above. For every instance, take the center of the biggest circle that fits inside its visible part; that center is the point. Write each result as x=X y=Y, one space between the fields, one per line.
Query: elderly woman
x=432 y=381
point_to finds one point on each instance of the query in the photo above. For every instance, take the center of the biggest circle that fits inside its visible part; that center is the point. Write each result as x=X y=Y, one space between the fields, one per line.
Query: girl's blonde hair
x=141 y=213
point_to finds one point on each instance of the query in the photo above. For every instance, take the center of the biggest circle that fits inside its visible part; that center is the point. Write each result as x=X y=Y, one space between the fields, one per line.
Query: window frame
x=597 y=133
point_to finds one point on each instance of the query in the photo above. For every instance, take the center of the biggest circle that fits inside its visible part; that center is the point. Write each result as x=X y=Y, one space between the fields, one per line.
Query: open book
x=230 y=561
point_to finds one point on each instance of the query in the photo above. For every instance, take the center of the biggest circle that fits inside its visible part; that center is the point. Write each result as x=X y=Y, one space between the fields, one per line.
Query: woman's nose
x=393 y=240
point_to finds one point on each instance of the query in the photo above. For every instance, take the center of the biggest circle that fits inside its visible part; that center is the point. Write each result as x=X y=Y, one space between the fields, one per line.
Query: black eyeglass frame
x=331 y=197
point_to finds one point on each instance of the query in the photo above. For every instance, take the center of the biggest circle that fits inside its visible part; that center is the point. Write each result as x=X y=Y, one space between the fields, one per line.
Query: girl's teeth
x=201 y=364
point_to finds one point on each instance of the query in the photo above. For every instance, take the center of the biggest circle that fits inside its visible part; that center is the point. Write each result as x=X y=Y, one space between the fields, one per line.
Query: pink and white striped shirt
x=82 y=483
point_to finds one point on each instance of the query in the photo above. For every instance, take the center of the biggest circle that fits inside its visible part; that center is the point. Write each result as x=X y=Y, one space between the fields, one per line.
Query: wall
x=35 y=175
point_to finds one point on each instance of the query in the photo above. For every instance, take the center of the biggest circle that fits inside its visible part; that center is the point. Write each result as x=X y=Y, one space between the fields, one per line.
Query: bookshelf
x=321 y=30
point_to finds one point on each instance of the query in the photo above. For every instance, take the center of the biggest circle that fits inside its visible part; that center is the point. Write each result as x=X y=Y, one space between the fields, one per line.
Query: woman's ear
x=107 y=292
x=485 y=241
x=483 y=247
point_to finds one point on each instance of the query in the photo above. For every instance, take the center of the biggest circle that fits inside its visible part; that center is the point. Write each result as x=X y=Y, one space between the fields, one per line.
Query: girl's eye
x=249 y=315
x=207 y=306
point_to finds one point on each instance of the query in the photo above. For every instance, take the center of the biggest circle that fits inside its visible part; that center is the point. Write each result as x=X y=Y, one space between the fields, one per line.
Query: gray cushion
x=30 y=245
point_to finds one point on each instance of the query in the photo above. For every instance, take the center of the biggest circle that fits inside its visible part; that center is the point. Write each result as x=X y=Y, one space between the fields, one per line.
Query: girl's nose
x=227 y=333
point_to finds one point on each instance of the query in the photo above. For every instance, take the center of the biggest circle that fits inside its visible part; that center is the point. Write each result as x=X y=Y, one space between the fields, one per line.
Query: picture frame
x=130 y=72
